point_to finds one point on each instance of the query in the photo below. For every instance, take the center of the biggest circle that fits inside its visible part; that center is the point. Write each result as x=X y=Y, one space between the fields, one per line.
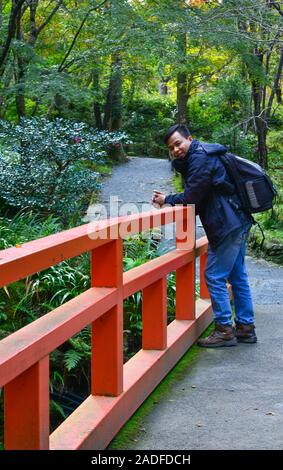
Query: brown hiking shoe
x=223 y=335
x=245 y=333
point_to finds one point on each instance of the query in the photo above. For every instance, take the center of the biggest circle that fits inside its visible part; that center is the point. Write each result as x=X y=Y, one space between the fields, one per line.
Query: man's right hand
x=158 y=199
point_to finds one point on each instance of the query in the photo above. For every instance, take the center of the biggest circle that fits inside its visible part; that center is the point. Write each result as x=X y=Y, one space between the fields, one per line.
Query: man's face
x=179 y=145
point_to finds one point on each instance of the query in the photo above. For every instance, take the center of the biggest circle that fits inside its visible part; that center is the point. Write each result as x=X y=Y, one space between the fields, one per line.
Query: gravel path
x=133 y=182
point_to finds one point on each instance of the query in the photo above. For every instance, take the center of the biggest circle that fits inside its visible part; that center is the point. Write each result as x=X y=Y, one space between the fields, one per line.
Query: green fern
x=55 y=407
x=56 y=378
x=72 y=359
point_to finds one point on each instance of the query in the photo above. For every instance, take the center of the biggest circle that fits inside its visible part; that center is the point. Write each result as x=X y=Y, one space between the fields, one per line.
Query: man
x=209 y=187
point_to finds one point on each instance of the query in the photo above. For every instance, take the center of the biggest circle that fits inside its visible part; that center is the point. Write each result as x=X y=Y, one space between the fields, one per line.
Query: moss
x=103 y=168
x=177 y=182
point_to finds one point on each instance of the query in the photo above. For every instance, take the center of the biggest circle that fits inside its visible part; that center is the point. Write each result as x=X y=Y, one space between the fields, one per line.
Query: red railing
x=117 y=390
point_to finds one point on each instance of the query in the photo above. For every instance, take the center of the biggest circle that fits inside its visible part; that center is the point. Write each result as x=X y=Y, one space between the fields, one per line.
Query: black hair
x=183 y=130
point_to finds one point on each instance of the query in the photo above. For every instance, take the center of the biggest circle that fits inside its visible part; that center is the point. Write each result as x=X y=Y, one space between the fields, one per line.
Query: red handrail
x=117 y=390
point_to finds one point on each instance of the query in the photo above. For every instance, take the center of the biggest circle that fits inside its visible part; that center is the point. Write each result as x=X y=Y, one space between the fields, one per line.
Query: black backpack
x=254 y=187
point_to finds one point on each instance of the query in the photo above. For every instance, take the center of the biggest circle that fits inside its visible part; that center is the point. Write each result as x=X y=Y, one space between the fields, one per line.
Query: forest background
x=85 y=83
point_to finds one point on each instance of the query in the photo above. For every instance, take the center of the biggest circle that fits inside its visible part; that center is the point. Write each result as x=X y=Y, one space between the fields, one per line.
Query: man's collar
x=181 y=165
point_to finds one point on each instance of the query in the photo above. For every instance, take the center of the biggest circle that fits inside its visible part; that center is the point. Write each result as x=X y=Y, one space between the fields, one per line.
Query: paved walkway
x=230 y=398
x=133 y=182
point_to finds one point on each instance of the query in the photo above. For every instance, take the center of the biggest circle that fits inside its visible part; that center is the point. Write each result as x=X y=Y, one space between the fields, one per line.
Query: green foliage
x=42 y=164
x=61 y=95
x=72 y=359
x=178 y=183
x=56 y=408
x=26 y=226
x=221 y=115
x=272 y=221
x=56 y=378
x=141 y=247
x=275 y=150
x=24 y=301
x=146 y=120
x=137 y=250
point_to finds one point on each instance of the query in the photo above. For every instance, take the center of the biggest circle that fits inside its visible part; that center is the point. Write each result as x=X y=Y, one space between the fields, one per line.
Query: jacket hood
x=215 y=149
x=181 y=165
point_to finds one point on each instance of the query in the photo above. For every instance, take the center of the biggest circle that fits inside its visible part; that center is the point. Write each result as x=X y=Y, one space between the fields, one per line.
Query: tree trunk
x=113 y=105
x=96 y=104
x=108 y=105
x=12 y=26
x=33 y=30
x=262 y=114
x=20 y=75
x=182 y=82
x=261 y=139
x=116 y=115
x=131 y=93
x=1 y=13
x=276 y=90
x=260 y=125
x=22 y=63
x=20 y=93
x=182 y=98
x=162 y=87
x=7 y=79
x=279 y=95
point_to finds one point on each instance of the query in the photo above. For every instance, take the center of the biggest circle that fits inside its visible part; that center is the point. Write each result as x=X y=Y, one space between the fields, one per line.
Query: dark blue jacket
x=209 y=187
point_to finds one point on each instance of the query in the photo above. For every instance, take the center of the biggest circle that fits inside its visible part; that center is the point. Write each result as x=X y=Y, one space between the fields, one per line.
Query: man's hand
x=158 y=199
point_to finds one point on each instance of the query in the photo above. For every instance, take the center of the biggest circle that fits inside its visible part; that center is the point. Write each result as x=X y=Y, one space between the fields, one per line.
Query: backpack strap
x=232 y=170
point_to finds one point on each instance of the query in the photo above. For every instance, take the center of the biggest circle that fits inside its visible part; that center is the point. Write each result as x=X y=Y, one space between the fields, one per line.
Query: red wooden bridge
x=117 y=390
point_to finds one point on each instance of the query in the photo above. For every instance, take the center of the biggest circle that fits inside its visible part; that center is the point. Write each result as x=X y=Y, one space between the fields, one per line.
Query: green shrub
x=275 y=149
x=146 y=121
x=43 y=164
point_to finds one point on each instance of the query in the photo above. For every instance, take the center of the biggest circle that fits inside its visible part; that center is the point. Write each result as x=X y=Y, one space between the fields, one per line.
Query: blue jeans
x=227 y=263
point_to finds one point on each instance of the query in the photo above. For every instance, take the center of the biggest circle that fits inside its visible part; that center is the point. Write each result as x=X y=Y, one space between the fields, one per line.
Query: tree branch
x=246 y=122
x=277 y=7
x=16 y=10
x=61 y=66
x=275 y=84
x=50 y=16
